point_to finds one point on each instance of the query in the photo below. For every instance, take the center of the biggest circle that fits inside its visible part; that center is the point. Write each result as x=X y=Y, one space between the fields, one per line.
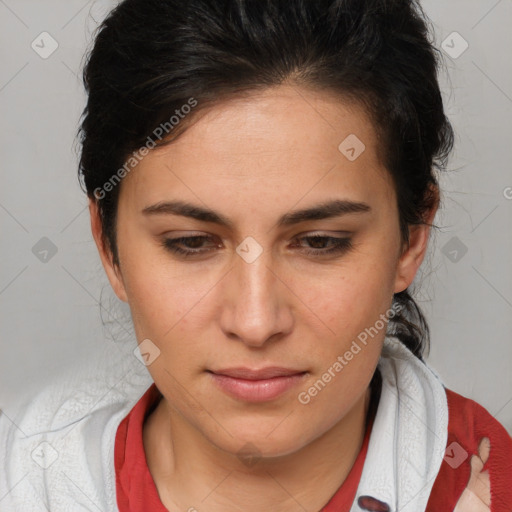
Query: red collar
x=136 y=490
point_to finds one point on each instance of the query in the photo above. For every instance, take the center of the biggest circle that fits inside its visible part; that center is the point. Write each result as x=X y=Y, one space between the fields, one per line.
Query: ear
x=414 y=252
x=112 y=270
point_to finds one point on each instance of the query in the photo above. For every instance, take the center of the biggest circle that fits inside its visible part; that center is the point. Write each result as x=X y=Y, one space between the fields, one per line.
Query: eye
x=318 y=245
x=193 y=243
x=335 y=245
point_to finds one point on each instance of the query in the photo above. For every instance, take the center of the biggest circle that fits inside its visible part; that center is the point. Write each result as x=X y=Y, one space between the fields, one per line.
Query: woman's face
x=256 y=292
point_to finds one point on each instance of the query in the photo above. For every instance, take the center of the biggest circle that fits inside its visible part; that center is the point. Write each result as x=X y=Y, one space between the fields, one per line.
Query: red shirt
x=468 y=424
x=136 y=490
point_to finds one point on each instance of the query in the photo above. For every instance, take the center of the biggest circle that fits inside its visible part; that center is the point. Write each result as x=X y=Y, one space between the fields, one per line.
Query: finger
x=484 y=449
x=476 y=466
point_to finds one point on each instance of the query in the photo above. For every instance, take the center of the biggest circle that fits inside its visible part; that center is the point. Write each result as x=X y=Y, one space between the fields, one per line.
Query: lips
x=264 y=373
x=257 y=385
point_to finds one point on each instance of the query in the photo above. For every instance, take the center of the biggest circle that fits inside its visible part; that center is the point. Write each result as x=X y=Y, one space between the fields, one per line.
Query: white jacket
x=57 y=454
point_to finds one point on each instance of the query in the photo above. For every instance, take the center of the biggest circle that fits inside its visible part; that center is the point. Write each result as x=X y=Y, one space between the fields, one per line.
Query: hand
x=477 y=494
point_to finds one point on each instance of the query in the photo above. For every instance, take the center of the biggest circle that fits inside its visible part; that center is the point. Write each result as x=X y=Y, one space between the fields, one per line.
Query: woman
x=261 y=181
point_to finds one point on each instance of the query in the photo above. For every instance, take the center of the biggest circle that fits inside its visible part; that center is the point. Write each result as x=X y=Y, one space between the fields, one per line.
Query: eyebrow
x=328 y=209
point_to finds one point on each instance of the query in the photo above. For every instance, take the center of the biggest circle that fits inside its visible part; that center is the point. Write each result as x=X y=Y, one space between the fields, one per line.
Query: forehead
x=276 y=145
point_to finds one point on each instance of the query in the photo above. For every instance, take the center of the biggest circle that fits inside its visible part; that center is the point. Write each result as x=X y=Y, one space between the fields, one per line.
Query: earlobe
x=111 y=269
x=411 y=257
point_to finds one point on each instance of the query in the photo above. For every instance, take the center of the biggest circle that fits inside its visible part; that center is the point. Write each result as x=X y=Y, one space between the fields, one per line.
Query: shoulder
x=56 y=450
x=469 y=421
x=477 y=463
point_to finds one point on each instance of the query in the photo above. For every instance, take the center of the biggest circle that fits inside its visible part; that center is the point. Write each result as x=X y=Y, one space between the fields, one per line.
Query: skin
x=253 y=160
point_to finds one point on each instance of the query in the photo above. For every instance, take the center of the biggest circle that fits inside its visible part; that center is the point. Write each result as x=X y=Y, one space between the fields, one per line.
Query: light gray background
x=50 y=312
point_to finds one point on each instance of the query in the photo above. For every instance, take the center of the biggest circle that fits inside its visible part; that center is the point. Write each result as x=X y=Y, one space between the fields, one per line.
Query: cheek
x=355 y=307
x=161 y=304
x=331 y=395
x=173 y=310
x=355 y=295
x=162 y=294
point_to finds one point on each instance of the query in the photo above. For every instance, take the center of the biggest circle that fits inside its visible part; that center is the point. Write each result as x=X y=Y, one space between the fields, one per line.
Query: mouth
x=251 y=385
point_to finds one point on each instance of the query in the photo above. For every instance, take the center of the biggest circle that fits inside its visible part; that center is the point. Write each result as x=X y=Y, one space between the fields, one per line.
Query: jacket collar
x=409 y=435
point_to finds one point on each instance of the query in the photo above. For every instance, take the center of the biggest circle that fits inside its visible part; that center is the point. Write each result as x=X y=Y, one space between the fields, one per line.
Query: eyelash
x=340 y=245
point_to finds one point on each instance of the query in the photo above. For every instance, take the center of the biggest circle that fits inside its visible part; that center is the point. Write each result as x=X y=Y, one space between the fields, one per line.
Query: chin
x=269 y=438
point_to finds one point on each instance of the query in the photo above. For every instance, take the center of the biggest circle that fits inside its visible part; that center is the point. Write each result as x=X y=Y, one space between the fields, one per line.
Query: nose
x=255 y=306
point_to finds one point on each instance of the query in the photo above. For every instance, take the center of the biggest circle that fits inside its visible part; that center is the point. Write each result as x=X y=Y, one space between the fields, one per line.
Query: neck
x=191 y=473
